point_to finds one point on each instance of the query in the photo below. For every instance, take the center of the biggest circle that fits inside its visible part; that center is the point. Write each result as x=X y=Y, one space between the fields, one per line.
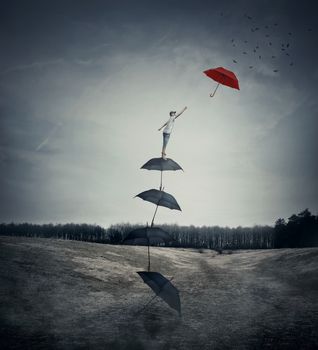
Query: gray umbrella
x=146 y=236
x=161 y=198
x=161 y=164
x=163 y=288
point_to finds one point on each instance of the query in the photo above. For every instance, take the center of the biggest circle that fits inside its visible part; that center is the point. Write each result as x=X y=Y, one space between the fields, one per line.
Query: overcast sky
x=85 y=85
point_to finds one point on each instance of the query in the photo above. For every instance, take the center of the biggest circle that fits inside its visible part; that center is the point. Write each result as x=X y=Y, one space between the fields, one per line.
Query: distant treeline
x=299 y=231
x=257 y=237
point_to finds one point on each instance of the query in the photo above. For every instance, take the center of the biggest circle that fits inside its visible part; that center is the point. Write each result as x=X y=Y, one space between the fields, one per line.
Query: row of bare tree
x=298 y=231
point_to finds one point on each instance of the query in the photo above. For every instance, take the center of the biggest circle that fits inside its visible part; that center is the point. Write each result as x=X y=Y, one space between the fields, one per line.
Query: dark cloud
x=290 y=147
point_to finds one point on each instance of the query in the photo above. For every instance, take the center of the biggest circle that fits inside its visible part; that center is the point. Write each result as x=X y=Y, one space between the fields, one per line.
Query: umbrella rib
x=153 y=298
x=145 y=306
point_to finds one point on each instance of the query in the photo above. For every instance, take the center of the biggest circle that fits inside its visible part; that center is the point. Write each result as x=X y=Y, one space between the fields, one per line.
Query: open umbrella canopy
x=224 y=77
x=161 y=164
x=147 y=235
x=161 y=198
x=163 y=288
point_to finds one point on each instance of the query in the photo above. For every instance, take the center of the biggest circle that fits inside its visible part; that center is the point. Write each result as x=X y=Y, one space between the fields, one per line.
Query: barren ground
x=58 y=294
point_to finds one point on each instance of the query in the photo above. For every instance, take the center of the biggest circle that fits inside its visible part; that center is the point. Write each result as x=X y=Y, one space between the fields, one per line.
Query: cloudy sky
x=85 y=85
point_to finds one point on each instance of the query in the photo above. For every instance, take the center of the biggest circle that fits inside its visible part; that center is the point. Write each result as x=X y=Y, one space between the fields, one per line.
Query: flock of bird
x=265 y=44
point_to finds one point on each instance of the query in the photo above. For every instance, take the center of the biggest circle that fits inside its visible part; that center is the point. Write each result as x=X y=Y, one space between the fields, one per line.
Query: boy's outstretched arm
x=181 y=112
x=162 y=126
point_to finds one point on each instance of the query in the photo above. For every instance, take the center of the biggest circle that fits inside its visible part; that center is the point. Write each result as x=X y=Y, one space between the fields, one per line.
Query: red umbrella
x=224 y=77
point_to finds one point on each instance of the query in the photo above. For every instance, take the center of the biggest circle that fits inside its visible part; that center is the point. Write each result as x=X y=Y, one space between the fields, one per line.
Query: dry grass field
x=58 y=294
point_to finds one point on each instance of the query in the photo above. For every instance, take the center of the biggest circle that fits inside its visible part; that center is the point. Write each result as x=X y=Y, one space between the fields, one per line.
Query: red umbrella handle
x=211 y=95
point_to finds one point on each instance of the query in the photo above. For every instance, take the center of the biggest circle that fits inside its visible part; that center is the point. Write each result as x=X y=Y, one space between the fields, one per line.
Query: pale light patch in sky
x=213 y=141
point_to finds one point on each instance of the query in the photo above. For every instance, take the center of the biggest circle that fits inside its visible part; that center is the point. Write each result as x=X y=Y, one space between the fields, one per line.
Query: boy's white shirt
x=170 y=124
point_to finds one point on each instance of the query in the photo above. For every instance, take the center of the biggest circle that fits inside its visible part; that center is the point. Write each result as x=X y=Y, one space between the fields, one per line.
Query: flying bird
x=249 y=17
x=287 y=54
x=287 y=45
x=275 y=24
x=266 y=27
x=254 y=50
x=289 y=33
x=291 y=64
x=259 y=57
x=273 y=56
x=234 y=61
x=270 y=44
x=250 y=67
x=267 y=35
x=244 y=53
x=245 y=41
x=275 y=70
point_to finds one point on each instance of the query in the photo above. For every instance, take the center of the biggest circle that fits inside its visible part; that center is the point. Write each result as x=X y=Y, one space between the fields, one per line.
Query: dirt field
x=74 y=295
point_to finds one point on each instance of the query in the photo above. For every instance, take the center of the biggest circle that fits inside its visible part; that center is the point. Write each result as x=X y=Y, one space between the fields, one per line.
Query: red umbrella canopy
x=223 y=76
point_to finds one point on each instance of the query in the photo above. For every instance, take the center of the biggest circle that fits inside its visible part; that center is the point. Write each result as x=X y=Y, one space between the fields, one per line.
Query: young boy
x=167 y=130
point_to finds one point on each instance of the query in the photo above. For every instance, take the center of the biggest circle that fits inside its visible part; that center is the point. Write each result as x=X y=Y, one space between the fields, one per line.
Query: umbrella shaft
x=148 y=256
x=211 y=95
x=160 y=181
x=154 y=215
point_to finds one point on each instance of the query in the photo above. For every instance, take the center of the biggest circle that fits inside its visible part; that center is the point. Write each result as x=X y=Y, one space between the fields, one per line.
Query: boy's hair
x=172 y=113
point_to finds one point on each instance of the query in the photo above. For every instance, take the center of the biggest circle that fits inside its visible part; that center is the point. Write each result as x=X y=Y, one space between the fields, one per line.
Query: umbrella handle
x=211 y=95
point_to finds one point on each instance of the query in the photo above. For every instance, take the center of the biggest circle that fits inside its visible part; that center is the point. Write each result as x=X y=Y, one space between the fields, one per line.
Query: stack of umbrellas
x=151 y=235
